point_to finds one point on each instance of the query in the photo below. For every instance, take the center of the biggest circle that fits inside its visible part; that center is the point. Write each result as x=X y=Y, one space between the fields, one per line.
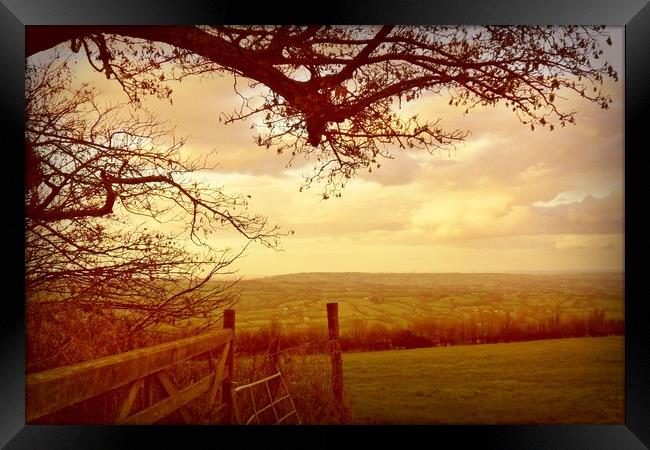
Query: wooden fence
x=136 y=372
x=52 y=390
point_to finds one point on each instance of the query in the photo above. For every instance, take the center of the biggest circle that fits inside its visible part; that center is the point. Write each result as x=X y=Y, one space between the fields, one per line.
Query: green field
x=553 y=381
x=299 y=300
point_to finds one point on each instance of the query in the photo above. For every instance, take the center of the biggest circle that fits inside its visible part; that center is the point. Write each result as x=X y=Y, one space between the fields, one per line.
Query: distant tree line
x=475 y=328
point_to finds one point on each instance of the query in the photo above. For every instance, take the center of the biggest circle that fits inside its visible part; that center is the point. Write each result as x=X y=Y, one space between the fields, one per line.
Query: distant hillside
x=298 y=300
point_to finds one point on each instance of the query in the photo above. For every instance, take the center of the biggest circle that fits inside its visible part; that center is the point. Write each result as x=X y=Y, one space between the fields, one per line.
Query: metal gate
x=268 y=402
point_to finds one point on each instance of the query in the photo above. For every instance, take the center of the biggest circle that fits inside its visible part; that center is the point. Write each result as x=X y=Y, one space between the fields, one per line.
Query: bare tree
x=92 y=169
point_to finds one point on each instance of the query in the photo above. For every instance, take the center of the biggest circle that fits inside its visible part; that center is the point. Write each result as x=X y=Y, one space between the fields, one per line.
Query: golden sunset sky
x=507 y=199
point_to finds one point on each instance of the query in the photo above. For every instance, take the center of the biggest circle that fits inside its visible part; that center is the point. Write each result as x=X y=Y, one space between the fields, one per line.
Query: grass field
x=553 y=381
x=298 y=300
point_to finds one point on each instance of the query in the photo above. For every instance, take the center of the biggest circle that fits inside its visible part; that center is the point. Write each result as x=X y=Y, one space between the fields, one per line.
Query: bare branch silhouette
x=90 y=170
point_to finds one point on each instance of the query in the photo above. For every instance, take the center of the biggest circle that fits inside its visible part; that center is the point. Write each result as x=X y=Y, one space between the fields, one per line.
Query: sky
x=508 y=199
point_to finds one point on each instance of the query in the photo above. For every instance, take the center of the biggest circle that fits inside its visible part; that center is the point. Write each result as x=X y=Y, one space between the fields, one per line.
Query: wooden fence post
x=229 y=322
x=335 y=351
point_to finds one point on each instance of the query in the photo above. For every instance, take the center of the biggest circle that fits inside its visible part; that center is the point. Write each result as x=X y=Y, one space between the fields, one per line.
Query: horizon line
x=501 y=272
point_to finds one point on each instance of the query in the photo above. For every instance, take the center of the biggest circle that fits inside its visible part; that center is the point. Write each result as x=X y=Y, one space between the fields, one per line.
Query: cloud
x=402 y=169
x=480 y=214
x=463 y=215
x=595 y=241
x=588 y=216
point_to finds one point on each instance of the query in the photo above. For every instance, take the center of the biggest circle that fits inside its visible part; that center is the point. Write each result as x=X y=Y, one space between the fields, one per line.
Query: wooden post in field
x=229 y=322
x=335 y=351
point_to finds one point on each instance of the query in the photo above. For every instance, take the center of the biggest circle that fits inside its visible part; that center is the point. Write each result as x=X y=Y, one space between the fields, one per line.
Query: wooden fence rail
x=52 y=390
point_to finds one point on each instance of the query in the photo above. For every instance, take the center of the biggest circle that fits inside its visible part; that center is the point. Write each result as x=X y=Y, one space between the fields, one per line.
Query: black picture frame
x=16 y=14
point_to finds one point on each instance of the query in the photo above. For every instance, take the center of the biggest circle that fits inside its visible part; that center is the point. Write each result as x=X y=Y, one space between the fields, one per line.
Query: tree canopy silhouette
x=332 y=93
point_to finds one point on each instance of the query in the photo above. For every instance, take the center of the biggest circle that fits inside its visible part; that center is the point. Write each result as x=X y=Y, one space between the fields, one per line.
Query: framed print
x=374 y=221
